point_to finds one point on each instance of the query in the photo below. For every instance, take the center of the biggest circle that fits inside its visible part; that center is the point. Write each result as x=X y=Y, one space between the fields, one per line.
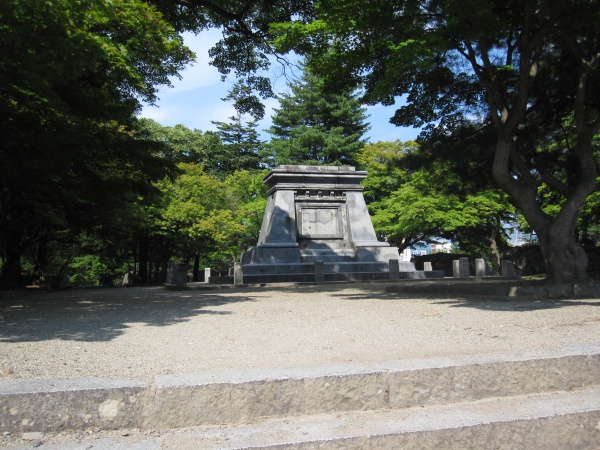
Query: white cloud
x=200 y=73
x=219 y=113
x=160 y=115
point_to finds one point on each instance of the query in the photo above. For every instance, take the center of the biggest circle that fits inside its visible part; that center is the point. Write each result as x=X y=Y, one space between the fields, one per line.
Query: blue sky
x=195 y=100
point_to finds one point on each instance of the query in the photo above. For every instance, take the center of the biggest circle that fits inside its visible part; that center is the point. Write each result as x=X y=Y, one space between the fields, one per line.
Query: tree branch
x=237 y=17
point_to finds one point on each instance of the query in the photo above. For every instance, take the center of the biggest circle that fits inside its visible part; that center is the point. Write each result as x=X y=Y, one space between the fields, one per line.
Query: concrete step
x=210 y=398
x=557 y=420
x=550 y=421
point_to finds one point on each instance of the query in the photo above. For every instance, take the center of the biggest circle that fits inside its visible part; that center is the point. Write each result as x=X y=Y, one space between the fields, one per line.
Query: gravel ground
x=136 y=333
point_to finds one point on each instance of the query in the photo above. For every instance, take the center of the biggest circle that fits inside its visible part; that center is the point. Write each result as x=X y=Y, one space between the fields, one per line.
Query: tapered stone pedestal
x=318 y=213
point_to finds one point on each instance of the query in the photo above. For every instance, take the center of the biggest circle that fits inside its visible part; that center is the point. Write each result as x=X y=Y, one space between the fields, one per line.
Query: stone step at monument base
x=328 y=267
x=333 y=271
x=328 y=277
x=338 y=255
x=540 y=399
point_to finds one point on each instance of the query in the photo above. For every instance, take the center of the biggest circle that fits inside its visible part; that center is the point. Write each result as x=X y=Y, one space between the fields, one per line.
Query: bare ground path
x=137 y=333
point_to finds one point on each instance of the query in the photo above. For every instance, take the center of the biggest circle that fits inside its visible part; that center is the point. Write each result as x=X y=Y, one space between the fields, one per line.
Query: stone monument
x=317 y=214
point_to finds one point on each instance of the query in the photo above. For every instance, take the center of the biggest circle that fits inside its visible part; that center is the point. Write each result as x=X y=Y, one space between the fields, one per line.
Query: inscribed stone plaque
x=319 y=223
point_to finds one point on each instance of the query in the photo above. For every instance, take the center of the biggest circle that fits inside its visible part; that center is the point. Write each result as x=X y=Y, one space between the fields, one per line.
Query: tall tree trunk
x=10 y=274
x=143 y=255
x=196 y=271
x=157 y=273
x=564 y=258
x=496 y=257
x=42 y=256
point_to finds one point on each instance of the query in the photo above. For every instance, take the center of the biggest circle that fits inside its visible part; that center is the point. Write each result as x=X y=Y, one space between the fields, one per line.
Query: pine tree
x=314 y=126
x=240 y=142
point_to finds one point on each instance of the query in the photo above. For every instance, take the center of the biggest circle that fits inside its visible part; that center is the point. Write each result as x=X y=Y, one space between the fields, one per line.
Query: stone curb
x=173 y=401
x=500 y=289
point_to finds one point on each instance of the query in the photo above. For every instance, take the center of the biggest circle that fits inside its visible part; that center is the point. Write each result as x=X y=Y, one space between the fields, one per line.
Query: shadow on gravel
x=515 y=304
x=102 y=314
x=340 y=289
x=486 y=303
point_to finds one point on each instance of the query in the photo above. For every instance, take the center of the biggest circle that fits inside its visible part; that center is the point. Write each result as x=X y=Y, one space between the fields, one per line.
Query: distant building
x=518 y=238
x=441 y=247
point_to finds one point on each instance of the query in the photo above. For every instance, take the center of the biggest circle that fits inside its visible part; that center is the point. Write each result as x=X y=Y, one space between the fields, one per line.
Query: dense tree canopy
x=178 y=143
x=72 y=76
x=522 y=67
x=209 y=218
x=315 y=126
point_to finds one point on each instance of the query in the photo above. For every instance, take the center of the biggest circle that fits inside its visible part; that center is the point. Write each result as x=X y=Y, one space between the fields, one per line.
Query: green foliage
x=87 y=270
x=217 y=218
x=179 y=143
x=71 y=77
x=241 y=146
x=315 y=126
x=415 y=206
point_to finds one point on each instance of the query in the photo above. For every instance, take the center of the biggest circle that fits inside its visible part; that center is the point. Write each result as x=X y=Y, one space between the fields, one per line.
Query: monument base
x=332 y=271
x=272 y=253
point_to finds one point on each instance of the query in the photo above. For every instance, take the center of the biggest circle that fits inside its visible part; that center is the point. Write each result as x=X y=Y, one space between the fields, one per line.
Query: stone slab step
x=327 y=251
x=209 y=398
x=328 y=255
x=558 y=420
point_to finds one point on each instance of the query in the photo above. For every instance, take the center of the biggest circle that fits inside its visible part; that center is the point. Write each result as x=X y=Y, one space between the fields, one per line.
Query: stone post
x=427 y=267
x=319 y=272
x=394 y=268
x=464 y=267
x=508 y=269
x=480 y=267
x=456 y=268
x=177 y=275
x=238 y=273
x=460 y=268
x=207 y=274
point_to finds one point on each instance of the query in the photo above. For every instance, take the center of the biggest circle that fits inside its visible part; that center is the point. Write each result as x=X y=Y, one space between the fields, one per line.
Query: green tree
x=519 y=66
x=241 y=145
x=315 y=126
x=201 y=213
x=180 y=144
x=204 y=218
x=72 y=76
x=248 y=199
x=415 y=203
